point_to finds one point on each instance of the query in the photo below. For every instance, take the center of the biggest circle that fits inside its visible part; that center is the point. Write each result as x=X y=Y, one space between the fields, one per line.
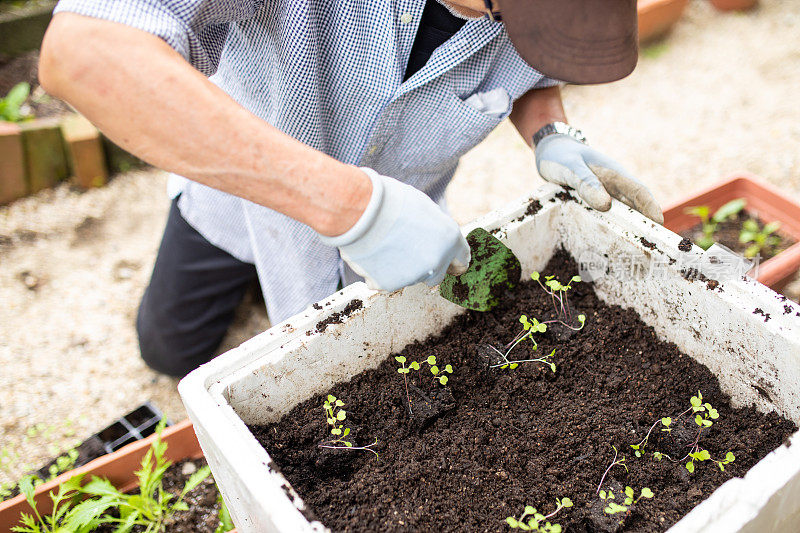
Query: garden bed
x=519 y=437
x=263 y=380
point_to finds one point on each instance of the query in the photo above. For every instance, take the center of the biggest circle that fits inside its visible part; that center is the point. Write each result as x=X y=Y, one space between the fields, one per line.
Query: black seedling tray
x=136 y=425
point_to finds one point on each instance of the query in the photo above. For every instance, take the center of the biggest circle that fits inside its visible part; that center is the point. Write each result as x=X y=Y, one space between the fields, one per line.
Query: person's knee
x=168 y=349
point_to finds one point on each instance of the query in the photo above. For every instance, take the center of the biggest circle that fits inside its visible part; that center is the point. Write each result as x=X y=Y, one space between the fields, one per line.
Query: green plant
x=439 y=374
x=63 y=463
x=558 y=294
x=614 y=462
x=11 y=105
x=336 y=416
x=710 y=222
x=150 y=508
x=68 y=516
x=760 y=237
x=225 y=520
x=536 y=521
x=704 y=416
x=613 y=508
x=532 y=326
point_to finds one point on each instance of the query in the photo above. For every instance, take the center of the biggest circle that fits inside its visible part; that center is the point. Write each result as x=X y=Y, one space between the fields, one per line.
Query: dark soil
x=26 y=68
x=338 y=317
x=203 y=513
x=519 y=437
x=727 y=234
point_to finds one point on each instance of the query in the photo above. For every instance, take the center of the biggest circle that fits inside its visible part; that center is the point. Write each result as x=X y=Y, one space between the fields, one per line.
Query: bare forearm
x=149 y=100
x=535 y=109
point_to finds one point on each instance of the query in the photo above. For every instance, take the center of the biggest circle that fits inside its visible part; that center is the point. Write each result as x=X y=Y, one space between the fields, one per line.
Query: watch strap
x=558 y=128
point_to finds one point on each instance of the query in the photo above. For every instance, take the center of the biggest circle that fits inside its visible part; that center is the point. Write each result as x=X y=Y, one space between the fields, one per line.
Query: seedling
x=558 y=294
x=439 y=374
x=336 y=416
x=614 y=462
x=710 y=222
x=11 y=105
x=225 y=520
x=704 y=416
x=613 y=508
x=532 y=520
x=63 y=463
x=150 y=509
x=760 y=237
x=66 y=515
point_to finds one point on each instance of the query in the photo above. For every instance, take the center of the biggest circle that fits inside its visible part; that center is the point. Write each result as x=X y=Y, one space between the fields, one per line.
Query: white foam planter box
x=756 y=361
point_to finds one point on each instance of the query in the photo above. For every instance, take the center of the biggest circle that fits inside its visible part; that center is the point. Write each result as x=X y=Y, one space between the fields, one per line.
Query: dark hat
x=579 y=41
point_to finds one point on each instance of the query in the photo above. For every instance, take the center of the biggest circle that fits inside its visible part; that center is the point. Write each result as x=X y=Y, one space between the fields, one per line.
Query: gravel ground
x=717 y=96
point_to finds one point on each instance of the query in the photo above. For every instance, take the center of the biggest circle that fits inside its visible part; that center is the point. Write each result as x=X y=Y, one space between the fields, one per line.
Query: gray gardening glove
x=402 y=238
x=562 y=159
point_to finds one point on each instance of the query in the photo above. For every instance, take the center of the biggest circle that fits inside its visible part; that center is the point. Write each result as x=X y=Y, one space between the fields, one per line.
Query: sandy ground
x=717 y=96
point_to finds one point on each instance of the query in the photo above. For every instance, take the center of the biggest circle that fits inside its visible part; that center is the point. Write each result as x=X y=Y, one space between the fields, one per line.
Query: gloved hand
x=564 y=160
x=402 y=238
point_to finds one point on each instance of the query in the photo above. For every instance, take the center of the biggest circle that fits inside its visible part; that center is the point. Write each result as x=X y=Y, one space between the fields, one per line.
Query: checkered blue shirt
x=330 y=74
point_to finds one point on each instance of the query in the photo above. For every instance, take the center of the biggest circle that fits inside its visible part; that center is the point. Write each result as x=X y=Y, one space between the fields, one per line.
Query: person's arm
x=148 y=99
x=535 y=109
x=566 y=160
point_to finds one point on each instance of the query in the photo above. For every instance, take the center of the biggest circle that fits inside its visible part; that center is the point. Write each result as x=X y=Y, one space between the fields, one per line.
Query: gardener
x=328 y=130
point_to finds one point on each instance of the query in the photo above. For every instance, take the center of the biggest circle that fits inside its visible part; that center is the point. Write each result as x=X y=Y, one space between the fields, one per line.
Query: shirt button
x=405 y=18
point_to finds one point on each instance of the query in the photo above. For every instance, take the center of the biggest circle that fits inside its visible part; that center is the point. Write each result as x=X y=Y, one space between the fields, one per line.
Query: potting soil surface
x=519 y=437
x=728 y=232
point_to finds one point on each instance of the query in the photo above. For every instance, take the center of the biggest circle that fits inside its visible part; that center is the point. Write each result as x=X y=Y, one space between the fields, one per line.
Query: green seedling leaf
x=629 y=492
x=443 y=380
x=729 y=210
x=647 y=493
x=431 y=360
x=729 y=457
x=414 y=365
x=566 y=502
x=400 y=359
x=448 y=369
x=666 y=421
x=690 y=467
x=341 y=415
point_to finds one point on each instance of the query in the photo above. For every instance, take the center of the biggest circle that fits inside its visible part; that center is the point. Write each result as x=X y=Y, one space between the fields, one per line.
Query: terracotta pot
x=762 y=199
x=734 y=5
x=12 y=163
x=118 y=467
x=656 y=17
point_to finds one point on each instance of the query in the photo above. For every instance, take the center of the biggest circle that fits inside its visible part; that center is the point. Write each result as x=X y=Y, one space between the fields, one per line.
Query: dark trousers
x=190 y=302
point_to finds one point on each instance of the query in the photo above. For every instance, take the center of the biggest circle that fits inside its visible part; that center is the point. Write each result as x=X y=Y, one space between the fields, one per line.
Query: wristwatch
x=558 y=128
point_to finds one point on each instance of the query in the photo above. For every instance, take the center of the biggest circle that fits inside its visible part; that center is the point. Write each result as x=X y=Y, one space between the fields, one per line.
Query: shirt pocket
x=453 y=128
